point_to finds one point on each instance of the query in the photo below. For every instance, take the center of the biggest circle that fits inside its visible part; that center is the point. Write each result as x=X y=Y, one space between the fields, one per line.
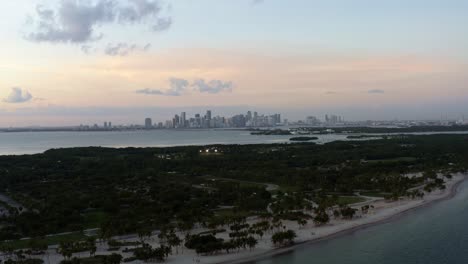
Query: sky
x=69 y=62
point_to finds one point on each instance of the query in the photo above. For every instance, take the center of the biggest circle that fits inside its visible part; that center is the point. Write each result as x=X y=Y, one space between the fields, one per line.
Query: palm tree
x=91 y=243
x=65 y=250
x=174 y=241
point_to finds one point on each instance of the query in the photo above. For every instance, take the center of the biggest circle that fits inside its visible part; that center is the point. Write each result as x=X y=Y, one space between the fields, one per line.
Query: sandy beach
x=383 y=211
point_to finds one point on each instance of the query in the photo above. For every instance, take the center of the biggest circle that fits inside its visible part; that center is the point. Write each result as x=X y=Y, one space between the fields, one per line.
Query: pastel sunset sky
x=66 y=62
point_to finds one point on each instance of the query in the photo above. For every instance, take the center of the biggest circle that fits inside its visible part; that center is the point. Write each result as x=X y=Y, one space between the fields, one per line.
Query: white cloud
x=213 y=86
x=76 y=21
x=376 y=91
x=177 y=88
x=18 y=95
x=180 y=86
x=124 y=49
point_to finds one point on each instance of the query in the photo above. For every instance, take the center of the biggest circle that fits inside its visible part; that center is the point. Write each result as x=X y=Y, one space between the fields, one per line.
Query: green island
x=361 y=130
x=303 y=138
x=363 y=136
x=410 y=129
x=270 y=132
x=151 y=204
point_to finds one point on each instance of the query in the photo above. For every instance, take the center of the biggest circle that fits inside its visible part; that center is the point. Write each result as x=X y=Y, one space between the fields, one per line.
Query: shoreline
x=383 y=212
x=447 y=195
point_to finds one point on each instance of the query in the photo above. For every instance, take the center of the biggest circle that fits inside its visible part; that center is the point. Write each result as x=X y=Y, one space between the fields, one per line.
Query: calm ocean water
x=432 y=235
x=37 y=142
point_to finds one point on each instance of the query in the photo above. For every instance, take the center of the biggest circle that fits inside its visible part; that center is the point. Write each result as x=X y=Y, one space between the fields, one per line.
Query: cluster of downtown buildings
x=208 y=120
x=251 y=119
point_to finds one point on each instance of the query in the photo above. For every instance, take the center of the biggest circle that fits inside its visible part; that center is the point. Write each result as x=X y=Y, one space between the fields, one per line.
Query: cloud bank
x=213 y=86
x=76 y=21
x=124 y=49
x=376 y=91
x=18 y=95
x=178 y=87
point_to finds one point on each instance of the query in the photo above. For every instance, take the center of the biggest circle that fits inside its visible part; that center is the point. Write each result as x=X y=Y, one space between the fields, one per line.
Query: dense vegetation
x=271 y=132
x=303 y=138
x=361 y=130
x=132 y=190
x=410 y=129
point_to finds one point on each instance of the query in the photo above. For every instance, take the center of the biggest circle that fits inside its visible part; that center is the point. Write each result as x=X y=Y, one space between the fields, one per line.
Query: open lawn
x=346 y=200
x=50 y=240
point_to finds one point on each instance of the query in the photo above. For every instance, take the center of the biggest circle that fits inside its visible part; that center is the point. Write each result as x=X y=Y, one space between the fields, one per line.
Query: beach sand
x=383 y=211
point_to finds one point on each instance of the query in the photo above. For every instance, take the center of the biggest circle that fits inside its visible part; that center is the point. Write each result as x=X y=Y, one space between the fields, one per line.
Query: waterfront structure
x=148 y=123
x=182 y=120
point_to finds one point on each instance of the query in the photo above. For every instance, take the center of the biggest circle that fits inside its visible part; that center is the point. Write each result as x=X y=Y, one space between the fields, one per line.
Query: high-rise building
x=312 y=120
x=249 y=116
x=276 y=119
x=332 y=119
x=208 y=119
x=238 y=121
x=176 y=121
x=182 y=119
x=255 y=119
x=148 y=123
x=198 y=121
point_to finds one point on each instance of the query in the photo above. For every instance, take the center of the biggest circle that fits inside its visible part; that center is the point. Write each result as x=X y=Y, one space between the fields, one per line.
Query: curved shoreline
x=287 y=250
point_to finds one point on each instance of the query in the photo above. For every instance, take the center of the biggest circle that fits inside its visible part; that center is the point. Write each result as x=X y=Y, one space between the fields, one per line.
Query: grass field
x=50 y=240
x=374 y=194
x=94 y=219
x=346 y=200
x=395 y=160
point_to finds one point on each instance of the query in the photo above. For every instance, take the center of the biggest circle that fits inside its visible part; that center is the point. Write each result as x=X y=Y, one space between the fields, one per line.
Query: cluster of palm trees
x=147 y=253
x=283 y=238
x=66 y=249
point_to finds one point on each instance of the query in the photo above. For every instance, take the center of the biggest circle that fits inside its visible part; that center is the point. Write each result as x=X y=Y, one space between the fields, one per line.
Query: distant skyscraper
x=332 y=119
x=208 y=118
x=148 y=123
x=198 y=121
x=176 y=121
x=182 y=119
x=249 y=115
x=277 y=119
x=255 y=119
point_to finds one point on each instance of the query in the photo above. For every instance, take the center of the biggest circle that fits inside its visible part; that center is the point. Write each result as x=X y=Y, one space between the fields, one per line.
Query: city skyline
x=121 y=117
x=71 y=61
x=248 y=119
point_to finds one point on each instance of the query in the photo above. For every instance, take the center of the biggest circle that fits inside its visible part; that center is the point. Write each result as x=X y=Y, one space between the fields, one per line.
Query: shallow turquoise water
x=432 y=235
